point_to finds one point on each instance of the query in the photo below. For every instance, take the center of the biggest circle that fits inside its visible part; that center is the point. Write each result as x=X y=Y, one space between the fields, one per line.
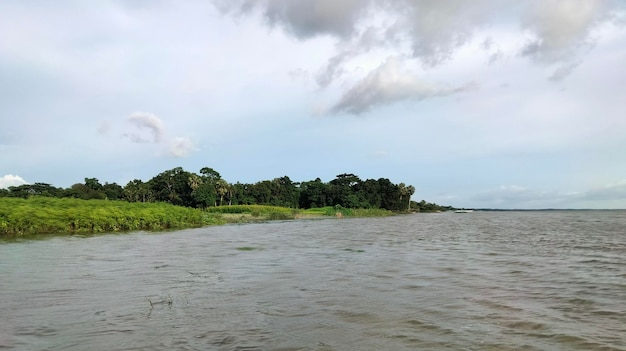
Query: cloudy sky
x=483 y=103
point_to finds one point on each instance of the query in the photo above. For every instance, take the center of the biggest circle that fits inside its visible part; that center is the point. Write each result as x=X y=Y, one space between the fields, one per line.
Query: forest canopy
x=208 y=189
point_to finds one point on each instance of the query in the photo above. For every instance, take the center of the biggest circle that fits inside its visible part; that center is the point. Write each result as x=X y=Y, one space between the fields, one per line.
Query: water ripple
x=484 y=281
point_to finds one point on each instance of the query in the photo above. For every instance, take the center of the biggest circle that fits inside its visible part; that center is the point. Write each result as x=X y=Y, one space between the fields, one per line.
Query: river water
x=478 y=281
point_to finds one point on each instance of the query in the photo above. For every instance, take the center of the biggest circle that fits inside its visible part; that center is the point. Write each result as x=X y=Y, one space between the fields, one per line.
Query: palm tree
x=194 y=181
x=410 y=190
x=221 y=187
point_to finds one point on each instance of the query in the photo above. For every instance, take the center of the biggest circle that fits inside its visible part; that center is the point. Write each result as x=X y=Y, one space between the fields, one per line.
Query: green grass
x=246 y=248
x=253 y=213
x=346 y=212
x=43 y=215
x=261 y=210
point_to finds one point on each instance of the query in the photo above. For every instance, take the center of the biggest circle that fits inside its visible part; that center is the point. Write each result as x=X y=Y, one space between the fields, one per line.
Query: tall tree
x=410 y=191
x=222 y=188
x=113 y=191
x=314 y=194
x=173 y=186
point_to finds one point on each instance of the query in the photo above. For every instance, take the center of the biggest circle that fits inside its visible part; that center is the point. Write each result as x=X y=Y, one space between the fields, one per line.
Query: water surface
x=477 y=281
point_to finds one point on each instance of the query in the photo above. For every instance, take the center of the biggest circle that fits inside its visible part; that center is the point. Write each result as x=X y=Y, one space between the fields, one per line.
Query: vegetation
x=208 y=189
x=41 y=215
x=177 y=198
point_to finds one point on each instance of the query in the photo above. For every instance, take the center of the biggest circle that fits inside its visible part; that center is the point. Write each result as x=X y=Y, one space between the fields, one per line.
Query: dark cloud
x=305 y=19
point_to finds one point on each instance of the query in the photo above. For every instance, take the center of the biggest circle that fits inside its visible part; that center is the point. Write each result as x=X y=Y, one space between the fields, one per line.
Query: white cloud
x=390 y=82
x=148 y=128
x=181 y=146
x=378 y=154
x=11 y=180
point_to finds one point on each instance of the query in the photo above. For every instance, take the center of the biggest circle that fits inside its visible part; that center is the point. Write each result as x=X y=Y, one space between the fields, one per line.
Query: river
x=553 y=280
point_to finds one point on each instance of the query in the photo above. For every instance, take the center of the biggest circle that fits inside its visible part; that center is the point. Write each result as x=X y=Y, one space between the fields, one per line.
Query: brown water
x=478 y=281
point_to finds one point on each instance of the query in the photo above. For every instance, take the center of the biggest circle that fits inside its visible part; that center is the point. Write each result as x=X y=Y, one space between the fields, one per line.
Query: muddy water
x=477 y=281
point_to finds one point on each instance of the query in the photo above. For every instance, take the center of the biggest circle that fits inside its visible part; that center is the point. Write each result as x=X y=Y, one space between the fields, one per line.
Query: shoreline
x=38 y=217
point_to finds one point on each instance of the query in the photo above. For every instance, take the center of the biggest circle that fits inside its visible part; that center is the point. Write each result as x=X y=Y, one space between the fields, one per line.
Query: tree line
x=207 y=189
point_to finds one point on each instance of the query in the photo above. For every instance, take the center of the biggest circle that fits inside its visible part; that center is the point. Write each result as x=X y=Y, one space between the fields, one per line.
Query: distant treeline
x=208 y=189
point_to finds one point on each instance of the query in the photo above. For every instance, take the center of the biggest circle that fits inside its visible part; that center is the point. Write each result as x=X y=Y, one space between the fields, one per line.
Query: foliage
x=260 y=209
x=426 y=207
x=208 y=190
x=43 y=215
x=338 y=211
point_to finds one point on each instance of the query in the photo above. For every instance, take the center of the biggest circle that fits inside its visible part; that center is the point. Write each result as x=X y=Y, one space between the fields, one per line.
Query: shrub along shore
x=44 y=215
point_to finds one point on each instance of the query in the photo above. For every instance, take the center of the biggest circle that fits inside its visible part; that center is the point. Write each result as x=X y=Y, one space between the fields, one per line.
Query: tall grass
x=339 y=211
x=257 y=212
x=43 y=215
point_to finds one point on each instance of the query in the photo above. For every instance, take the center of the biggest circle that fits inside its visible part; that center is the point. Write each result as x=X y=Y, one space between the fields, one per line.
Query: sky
x=477 y=104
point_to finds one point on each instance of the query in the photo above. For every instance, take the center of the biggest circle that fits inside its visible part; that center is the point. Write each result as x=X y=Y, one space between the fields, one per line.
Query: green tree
x=173 y=186
x=37 y=189
x=138 y=191
x=113 y=191
x=223 y=189
x=390 y=195
x=369 y=194
x=343 y=190
x=410 y=190
x=82 y=191
x=314 y=194
x=93 y=184
x=241 y=194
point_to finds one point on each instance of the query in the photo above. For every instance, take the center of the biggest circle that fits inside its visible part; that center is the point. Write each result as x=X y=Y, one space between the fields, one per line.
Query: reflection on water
x=480 y=281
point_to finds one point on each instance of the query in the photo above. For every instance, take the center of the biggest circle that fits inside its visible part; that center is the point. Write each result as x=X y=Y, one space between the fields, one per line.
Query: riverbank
x=44 y=215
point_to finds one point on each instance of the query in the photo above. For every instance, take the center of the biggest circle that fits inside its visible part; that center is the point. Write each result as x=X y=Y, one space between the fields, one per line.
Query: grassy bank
x=44 y=215
x=251 y=213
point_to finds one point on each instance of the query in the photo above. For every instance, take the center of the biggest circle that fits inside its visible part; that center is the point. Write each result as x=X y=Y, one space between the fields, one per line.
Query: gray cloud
x=614 y=191
x=514 y=196
x=389 y=83
x=437 y=28
x=563 y=71
x=434 y=30
x=562 y=27
x=369 y=38
x=524 y=198
x=304 y=19
x=148 y=128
